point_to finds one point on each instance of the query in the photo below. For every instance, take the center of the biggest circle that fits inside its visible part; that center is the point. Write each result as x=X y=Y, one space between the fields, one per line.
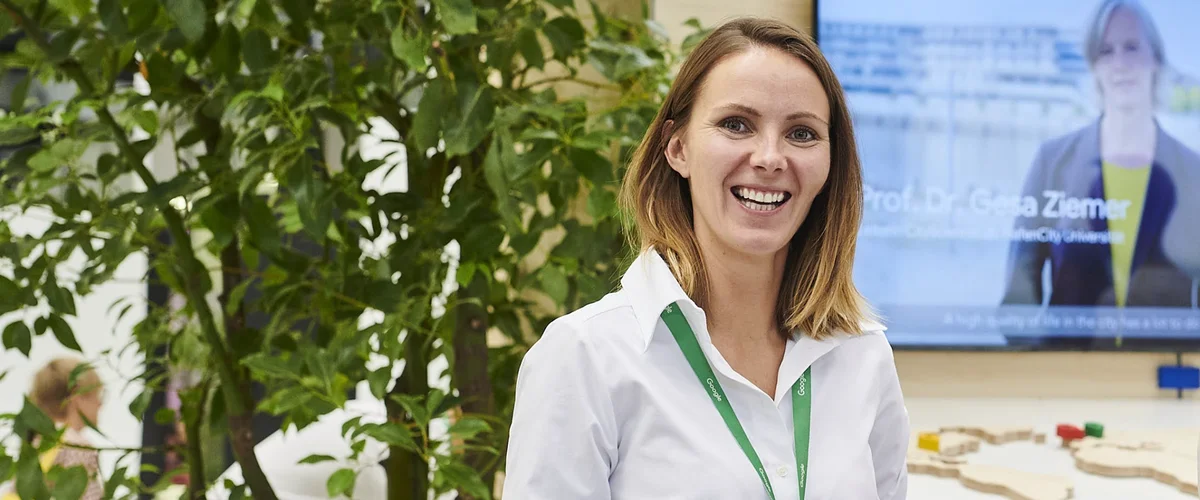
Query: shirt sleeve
x=890 y=435
x=563 y=439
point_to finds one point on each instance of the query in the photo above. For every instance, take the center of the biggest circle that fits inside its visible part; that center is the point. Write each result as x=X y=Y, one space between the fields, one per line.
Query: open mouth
x=760 y=200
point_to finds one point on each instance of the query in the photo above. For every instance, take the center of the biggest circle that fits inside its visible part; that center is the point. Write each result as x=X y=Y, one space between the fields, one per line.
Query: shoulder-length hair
x=817 y=294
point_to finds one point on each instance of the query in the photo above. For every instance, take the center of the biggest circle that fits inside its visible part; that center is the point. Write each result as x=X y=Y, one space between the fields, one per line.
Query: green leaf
x=379 y=380
x=476 y=109
x=531 y=48
x=70 y=483
x=32 y=418
x=286 y=400
x=410 y=48
x=565 y=35
x=31 y=484
x=225 y=55
x=554 y=283
x=138 y=406
x=430 y=113
x=458 y=16
x=6 y=465
x=19 y=134
x=20 y=93
x=112 y=17
x=461 y=476
x=468 y=428
x=341 y=483
x=164 y=416
x=316 y=459
x=593 y=166
x=190 y=16
x=271 y=366
x=465 y=272
x=634 y=60
x=602 y=203
x=391 y=434
x=220 y=217
x=17 y=336
x=142 y=13
x=6 y=25
x=264 y=232
x=61 y=301
x=257 y=51
x=235 y=297
x=482 y=242
x=562 y=4
x=493 y=173
x=12 y=297
x=147 y=119
x=62 y=332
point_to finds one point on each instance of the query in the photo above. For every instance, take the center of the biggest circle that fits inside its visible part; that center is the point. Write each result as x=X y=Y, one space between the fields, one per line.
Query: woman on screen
x=737 y=361
x=1131 y=168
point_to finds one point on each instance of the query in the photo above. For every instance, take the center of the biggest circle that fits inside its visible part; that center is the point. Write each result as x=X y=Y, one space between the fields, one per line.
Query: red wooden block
x=1070 y=432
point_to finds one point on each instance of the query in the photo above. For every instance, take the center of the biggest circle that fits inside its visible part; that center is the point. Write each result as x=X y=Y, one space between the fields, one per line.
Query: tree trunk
x=407 y=471
x=241 y=423
x=471 y=369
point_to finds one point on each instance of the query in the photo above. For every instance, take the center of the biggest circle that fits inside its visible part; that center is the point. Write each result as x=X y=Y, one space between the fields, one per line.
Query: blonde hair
x=817 y=295
x=59 y=381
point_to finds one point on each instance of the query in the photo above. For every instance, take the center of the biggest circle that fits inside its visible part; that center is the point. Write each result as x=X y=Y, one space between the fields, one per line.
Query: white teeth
x=760 y=196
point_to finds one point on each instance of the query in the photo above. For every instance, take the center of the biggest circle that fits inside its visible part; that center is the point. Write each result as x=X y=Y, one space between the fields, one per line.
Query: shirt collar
x=652 y=287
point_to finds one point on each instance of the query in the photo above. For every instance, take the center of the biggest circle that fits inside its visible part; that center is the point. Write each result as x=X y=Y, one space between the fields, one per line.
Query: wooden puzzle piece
x=1015 y=484
x=995 y=435
x=1129 y=459
x=1012 y=483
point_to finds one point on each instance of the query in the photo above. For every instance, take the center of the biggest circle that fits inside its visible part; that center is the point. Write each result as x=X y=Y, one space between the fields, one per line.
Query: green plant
x=265 y=105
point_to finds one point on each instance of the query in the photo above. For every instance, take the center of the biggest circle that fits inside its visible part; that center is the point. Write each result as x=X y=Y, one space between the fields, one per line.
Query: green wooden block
x=1093 y=429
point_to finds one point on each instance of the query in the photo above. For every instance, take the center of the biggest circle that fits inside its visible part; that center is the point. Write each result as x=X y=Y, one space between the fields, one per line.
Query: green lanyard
x=801 y=400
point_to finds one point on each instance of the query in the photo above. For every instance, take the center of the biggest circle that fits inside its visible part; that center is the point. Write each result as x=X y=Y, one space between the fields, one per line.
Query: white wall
x=99 y=334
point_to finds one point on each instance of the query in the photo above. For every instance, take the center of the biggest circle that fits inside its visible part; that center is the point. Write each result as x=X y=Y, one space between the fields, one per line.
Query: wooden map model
x=1012 y=483
x=1168 y=457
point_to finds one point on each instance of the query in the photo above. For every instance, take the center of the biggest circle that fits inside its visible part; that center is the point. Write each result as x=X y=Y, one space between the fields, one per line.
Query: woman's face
x=88 y=404
x=1126 y=66
x=755 y=151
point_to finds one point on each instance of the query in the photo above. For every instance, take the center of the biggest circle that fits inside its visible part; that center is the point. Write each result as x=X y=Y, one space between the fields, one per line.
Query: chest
x=675 y=445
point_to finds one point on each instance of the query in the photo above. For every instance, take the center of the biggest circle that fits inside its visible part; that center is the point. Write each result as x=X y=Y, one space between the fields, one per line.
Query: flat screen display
x=1032 y=175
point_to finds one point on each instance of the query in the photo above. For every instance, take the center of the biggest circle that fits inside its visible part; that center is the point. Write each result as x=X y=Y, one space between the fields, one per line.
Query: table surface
x=1043 y=415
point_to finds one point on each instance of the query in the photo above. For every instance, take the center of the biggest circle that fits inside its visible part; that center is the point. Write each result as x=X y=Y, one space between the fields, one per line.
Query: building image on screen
x=1030 y=171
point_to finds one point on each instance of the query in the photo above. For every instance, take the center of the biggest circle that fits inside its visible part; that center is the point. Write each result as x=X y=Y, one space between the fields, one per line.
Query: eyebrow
x=754 y=112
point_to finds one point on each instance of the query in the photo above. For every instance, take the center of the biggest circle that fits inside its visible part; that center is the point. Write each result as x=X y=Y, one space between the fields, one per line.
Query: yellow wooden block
x=929 y=441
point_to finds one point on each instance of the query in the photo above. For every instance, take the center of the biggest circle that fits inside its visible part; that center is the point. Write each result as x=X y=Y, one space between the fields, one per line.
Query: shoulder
x=1176 y=155
x=588 y=332
x=1067 y=144
x=870 y=350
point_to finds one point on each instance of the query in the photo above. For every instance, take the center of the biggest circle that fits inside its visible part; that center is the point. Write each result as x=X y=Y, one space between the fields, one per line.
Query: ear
x=675 y=151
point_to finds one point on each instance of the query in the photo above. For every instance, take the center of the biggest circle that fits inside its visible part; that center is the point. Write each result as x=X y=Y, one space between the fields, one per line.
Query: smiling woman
x=737 y=360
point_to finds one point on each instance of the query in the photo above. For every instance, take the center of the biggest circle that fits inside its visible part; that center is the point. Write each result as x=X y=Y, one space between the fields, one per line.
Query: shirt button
x=782 y=470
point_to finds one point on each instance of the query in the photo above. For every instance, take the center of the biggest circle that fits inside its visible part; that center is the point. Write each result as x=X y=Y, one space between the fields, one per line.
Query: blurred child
x=73 y=403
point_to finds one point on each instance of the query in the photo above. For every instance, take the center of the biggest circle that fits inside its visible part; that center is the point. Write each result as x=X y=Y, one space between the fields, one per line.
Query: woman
x=71 y=394
x=1126 y=158
x=737 y=361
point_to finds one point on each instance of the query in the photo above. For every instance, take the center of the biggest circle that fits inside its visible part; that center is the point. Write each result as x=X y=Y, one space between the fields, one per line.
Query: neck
x=742 y=295
x=1127 y=130
x=74 y=422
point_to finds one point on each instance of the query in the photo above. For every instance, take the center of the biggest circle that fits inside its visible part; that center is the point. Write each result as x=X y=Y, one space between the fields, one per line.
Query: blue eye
x=802 y=135
x=736 y=125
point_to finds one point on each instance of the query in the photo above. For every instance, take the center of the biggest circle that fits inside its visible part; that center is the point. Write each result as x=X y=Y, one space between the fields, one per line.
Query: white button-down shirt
x=607 y=407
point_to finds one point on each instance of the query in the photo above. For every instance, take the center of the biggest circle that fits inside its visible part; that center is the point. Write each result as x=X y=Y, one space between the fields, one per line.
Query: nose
x=768 y=155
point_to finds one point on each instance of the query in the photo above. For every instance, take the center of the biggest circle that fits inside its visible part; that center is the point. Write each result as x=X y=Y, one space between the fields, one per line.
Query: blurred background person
x=1123 y=155
x=71 y=394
